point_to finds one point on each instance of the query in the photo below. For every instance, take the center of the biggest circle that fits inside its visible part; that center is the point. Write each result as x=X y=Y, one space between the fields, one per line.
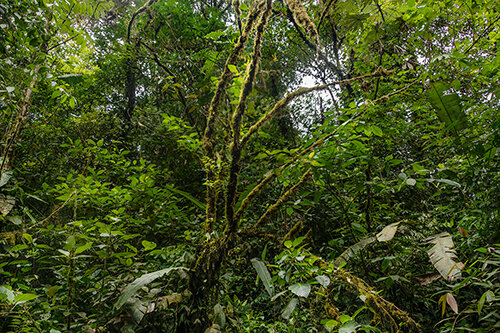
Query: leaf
x=186 y=195
x=425 y=279
x=351 y=251
x=72 y=79
x=17 y=220
x=10 y=89
x=264 y=275
x=289 y=308
x=448 y=107
x=323 y=280
x=52 y=291
x=28 y=237
x=83 y=247
x=452 y=302
x=463 y=232
x=21 y=298
x=377 y=131
x=411 y=181
x=443 y=256
x=349 y=327
x=449 y=182
x=9 y=295
x=6 y=175
x=140 y=282
x=6 y=204
x=220 y=316
x=300 y=289
x=388 y=232
x=480 y=304
x=233 y=69
x=148 y=245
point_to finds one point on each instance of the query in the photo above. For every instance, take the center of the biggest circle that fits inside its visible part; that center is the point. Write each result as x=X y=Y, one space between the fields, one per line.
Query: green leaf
x=300 y=289
x=186 y=195
x=297 y=241
x=28 y=238
x=264 y=275
x=447 y=181
x=83 y=247
x=349 y=327
x=344 y=318
x=148 y=245
x=289 y=308
x=411 y=181
x=140 y=282
x=330 y=324
x=233 y=69
x=24 y=297
x=376 y=130
x=323 y=280
x=17 y=220
x=52 y=291
x=243 y=6
x=214 y=35
x=448 y=107
x=353 y=249
x=6 y=293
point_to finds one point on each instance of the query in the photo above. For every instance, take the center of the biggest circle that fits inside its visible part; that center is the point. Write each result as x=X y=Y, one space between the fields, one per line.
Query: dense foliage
x=162 y=169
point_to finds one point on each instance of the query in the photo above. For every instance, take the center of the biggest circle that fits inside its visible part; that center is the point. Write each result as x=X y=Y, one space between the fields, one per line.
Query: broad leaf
x=443 y=256
x=6 y=175
x=21 y=298
x=452 y=302
x=6 y=204
x=300 y=289
x=447 y=106
x=388 y=232
x=353 y=249
x=323 y=280
x=6 y=293
x=140 y=282
x=264 y=275
x=289 y=308
x=187 y=196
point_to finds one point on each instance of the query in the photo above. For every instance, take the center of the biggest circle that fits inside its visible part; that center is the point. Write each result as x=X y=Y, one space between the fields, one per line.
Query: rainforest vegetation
x=249 y=166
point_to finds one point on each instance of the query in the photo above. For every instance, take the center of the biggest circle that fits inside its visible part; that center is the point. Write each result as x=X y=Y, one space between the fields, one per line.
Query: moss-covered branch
x=274 y=207
x=388 y=313
x=279 y=106
x=237 y=117
x=209 y=137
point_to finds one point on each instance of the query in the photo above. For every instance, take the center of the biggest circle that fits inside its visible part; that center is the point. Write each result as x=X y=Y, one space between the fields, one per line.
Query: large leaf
x=289 y=308
x=6 y=175
x=448 y=106
x=6 y=204
x=140 y=282
x=300 y=289
x=388 y=232
x=187 y=196
x=353 y=249
x=263 y=274
x=443 y=256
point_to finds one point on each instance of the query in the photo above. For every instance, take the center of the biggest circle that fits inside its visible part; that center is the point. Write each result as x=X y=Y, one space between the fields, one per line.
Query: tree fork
x=236 y=146
x=213 y=112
